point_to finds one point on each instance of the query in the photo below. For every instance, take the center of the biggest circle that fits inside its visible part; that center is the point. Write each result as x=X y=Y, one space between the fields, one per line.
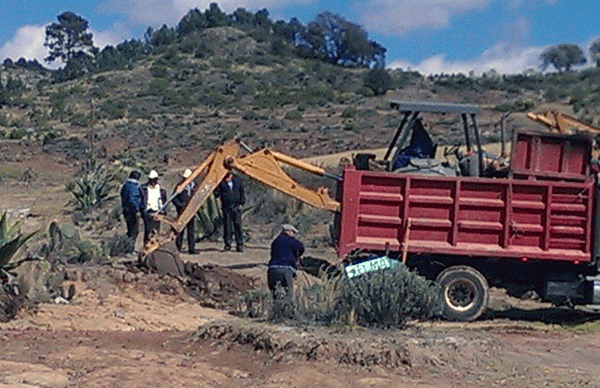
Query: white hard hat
x=153 y=174
x=186 y=173
x=289 y=227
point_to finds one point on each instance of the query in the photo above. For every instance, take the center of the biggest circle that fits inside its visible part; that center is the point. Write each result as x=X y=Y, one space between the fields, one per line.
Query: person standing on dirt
x=231 y=193
x=286 y=251
x=154 y=199
x=132 y=202
x=180 y=201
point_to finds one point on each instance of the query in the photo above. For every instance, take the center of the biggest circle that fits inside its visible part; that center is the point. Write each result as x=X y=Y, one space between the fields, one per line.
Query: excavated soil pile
x=406 y=350
x=215 y=286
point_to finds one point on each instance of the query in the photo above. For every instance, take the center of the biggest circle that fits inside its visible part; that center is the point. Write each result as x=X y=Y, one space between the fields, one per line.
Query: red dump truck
x=530 y=226
x=534 y=229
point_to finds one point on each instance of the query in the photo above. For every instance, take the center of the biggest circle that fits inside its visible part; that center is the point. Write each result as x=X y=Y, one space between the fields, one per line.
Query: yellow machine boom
x=262 y=165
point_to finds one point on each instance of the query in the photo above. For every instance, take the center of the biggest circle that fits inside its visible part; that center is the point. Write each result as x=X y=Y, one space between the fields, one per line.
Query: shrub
x=387 y=298
x=349 y=112
x=378 y=80
x=293 y=115
x=114 y=109
x=17 y=134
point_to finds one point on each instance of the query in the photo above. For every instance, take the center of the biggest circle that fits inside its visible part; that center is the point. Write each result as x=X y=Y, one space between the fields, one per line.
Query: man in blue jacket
x=132 y=204
x=286 y=251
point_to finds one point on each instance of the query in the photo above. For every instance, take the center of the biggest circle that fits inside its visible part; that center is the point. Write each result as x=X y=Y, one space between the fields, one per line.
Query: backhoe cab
x=412 y=150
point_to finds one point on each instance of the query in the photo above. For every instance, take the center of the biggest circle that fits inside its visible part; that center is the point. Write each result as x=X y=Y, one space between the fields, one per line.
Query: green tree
x=68 y=37
x=378 y=80
x=192 y=21
x=595 y=51
x=562 y=57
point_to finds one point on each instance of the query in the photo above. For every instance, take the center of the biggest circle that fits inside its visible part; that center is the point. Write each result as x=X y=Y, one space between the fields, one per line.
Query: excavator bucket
x=165 y=260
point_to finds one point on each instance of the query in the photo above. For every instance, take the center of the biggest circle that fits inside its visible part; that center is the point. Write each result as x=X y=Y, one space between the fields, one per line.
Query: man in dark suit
x=231 y=193
x=180 y=201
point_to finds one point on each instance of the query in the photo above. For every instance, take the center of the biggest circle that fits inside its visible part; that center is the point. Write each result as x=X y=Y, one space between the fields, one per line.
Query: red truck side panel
x=511 y=218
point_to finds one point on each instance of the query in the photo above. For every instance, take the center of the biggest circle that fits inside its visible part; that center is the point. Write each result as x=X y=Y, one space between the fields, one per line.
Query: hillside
x=169 y=106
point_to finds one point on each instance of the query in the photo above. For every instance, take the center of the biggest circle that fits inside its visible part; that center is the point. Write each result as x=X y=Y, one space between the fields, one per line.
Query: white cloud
x=395 y=17
x=500 y=57
x=158 y=12
x=28 y=42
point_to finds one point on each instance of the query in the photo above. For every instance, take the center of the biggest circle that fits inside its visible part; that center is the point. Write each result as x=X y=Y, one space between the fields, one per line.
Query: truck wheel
x=464 y=293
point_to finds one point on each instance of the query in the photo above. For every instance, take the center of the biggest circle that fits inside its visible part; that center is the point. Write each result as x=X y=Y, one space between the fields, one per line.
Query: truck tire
x=464 y=293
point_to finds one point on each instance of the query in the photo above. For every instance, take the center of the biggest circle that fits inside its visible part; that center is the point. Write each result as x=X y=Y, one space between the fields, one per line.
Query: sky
x=429 y=36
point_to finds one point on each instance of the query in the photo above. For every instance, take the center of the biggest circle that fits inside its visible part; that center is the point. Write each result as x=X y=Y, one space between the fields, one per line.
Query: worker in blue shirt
x=286 y=251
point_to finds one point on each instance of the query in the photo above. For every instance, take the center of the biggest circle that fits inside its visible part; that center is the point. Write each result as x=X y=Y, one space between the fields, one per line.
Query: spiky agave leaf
x=10 y=247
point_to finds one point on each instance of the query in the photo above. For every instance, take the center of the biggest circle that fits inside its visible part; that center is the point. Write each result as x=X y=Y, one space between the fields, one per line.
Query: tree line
x=329 y=38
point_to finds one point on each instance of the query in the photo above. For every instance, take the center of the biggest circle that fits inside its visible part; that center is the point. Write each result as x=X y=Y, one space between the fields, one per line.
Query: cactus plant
x=209 y=218
x=11 y=240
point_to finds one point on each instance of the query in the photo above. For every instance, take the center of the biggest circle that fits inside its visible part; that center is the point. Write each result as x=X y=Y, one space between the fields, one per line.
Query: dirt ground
x=127 y=328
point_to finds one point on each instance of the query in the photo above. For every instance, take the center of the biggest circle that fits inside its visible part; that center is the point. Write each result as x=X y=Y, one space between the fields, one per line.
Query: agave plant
x=93 y=188
x=11 y=239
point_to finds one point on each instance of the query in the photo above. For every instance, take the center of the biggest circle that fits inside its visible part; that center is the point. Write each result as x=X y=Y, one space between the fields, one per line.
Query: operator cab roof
x=434 y=107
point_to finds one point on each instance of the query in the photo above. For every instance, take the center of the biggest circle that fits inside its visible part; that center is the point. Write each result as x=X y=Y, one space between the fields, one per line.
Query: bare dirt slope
x=132 y=329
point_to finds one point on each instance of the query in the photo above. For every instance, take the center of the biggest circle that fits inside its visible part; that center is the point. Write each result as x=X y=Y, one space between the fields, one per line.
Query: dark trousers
x=190 y=229
x=131 y=220
x=232 y=224
x=149 y=225
x=284 y=276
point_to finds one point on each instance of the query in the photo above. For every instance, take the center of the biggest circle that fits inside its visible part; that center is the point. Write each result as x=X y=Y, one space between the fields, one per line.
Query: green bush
x=387 y=298
x=293 y=115
x=17 y=134
x=114 y=109
x=349 y=112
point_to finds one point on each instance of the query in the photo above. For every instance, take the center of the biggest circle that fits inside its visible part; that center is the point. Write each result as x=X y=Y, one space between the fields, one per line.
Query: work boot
x=227 y=248
x=239 y=248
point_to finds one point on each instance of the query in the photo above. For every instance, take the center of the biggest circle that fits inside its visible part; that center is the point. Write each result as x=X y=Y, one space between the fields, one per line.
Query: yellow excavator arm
x=262 y=165
x=562 y=123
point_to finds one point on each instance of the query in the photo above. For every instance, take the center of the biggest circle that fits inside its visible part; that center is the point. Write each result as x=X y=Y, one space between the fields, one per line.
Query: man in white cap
x=154 y=199
x=286 y=251
x=180 y=201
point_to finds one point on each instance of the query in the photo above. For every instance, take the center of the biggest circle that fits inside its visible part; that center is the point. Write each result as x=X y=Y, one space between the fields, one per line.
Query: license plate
x=376 y=264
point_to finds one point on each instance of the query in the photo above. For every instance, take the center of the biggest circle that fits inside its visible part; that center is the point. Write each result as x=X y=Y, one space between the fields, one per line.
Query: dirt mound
x=406 y=350
x=216 y=286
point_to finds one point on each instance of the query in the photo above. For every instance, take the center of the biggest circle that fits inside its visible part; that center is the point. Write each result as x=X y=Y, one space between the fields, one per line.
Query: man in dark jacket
x=286 y=250
x=180 y=201
x=154 y=199
x=132 y=204
x=231 y=193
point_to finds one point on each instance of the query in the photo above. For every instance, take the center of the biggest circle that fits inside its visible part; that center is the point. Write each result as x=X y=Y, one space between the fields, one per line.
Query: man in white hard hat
x=180 y=201
x=154 y=199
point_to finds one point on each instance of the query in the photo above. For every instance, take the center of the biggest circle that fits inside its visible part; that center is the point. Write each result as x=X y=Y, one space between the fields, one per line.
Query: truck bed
x=524 y=219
